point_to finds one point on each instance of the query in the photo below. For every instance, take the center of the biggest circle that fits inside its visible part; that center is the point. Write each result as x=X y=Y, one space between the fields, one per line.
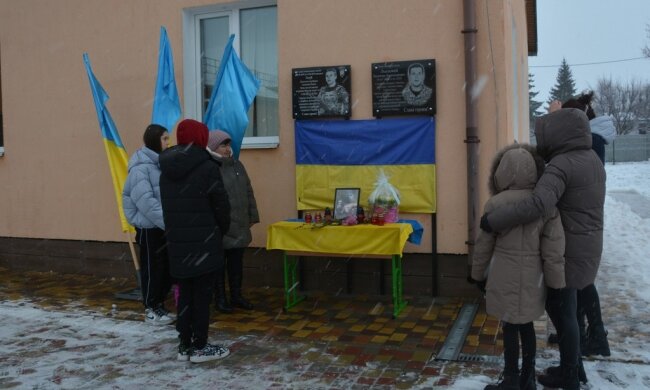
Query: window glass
x=259 y=51
x=255 y=42
x=214 y=37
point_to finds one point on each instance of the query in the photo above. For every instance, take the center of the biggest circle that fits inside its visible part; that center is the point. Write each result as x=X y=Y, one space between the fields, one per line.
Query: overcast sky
x=588 y=31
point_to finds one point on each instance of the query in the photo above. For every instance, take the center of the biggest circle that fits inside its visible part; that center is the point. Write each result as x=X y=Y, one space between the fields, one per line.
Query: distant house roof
x=531 y=24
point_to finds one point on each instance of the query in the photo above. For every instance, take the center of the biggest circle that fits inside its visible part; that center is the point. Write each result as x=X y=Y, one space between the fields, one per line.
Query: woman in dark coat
x=197 y=214
x=243 y=215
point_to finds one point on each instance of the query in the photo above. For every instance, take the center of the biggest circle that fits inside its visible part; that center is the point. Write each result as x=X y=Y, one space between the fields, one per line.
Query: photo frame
x=346 y=201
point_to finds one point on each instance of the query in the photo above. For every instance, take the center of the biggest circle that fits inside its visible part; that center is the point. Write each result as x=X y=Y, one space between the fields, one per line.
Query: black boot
x=567 y=379
x=527 y=377
x=557 y=371
x=220 y=301
x=597 y=343
x=507 y=382
x=235 y=271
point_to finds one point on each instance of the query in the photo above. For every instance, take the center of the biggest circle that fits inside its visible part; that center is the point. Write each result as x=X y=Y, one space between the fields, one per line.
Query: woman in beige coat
x=518 y=263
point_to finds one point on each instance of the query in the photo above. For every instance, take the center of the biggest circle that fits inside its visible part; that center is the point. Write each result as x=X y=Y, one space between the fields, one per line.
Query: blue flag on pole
x=166 y=105
x=232 y=95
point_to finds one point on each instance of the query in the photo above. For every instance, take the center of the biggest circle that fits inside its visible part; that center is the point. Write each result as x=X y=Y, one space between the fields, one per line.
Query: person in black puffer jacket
x=196 y=213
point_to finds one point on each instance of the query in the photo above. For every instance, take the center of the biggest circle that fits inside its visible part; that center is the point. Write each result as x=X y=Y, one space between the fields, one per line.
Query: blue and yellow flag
x=351 y=153
x=166 y=104
x=232 y=95
x=117 y=158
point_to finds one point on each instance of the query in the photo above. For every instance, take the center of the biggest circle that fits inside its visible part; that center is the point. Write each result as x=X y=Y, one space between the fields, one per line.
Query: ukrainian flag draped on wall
x=340 y=154
x=117 y=158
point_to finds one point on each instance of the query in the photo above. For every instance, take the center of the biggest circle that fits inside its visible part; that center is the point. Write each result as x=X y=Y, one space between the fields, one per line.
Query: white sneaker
x=209 y=352
x=168 y=313
x=157 y=317
x=184 y=353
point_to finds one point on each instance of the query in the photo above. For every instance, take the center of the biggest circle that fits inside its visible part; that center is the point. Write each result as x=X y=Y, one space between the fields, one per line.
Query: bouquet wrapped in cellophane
x=384 y=200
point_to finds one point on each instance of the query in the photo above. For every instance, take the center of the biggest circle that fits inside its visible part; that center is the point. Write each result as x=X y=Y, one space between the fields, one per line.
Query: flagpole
x=136 y=293
x=134 y=256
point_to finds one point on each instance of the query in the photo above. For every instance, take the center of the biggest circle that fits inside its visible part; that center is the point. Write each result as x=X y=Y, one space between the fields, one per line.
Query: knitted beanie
x=192 y=132
x=216 y=138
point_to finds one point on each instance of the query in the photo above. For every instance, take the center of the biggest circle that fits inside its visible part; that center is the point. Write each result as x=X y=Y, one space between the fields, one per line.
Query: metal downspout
x=471 y=130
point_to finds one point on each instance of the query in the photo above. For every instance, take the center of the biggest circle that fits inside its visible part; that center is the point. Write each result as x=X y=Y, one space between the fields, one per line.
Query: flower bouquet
x=384 y=200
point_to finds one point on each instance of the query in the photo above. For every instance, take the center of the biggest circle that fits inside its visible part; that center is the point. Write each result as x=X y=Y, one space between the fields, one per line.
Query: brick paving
x=329 y=341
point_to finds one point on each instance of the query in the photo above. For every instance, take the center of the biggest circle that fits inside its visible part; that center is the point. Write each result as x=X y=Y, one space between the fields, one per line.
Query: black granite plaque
x=321 y=92
x=404 y=88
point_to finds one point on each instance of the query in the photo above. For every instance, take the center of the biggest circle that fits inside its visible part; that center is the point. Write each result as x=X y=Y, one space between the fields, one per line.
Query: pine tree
x=565 y=86
x=533 y=105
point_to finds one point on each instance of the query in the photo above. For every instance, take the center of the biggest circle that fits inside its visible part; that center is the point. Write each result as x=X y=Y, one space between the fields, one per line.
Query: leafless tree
x=646 y=49
x=626 y=103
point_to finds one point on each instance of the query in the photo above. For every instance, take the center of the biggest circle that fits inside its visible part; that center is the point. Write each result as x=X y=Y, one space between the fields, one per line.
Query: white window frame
x=192 y=54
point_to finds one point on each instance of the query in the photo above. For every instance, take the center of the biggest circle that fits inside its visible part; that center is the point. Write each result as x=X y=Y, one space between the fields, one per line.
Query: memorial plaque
x=321 y=92
x=404 y=88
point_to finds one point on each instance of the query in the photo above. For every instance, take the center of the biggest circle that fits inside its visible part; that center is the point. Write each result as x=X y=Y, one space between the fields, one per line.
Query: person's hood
x=178 y=161
x=515 y=167
x=144 y=155
x=222 y=160
x=604 y=127
x=562 y=131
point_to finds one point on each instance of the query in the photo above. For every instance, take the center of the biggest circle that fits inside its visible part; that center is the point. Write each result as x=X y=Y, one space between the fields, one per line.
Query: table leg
x=398 y=299
x=291 y=282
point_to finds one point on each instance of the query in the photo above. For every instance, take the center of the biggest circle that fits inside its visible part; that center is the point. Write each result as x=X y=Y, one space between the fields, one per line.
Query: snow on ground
x=81 y=350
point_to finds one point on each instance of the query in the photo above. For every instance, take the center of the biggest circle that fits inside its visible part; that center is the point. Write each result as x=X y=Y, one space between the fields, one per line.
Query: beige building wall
x=54 y=177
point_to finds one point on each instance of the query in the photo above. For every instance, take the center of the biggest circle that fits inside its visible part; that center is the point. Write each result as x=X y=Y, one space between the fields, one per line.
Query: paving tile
x=333 y=340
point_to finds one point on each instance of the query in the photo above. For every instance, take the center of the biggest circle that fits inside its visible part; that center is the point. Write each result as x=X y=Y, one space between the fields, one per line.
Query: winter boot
x=235 y=271
x=597 y=343
x=566 y=379
x=506 y=382
x=221 y=303
x=582 y=328
x=527 y=376
x=557 y=371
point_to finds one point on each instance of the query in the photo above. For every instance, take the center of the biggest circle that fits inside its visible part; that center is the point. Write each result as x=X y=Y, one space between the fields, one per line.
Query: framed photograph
x=346 y=201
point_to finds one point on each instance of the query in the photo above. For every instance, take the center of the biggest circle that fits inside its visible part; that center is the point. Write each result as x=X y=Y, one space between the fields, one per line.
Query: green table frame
x=291 y=278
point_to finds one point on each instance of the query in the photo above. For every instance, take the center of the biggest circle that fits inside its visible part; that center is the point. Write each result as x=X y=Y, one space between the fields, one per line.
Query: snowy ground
x=45 y=349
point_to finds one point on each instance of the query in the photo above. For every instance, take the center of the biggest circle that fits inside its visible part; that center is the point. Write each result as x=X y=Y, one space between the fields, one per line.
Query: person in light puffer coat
x=519 y=262
x=143 y=210
x=574 y=182
x=243 y=215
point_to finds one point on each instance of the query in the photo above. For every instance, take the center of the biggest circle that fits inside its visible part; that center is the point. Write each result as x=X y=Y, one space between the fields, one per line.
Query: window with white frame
x=205 y=32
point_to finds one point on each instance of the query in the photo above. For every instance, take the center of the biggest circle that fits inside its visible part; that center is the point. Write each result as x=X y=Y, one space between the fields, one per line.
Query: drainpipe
x=471 y=130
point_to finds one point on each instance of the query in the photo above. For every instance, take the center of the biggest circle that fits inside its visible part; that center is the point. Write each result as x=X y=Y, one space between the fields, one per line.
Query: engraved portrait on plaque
x=321 y=92
x=404 y=88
